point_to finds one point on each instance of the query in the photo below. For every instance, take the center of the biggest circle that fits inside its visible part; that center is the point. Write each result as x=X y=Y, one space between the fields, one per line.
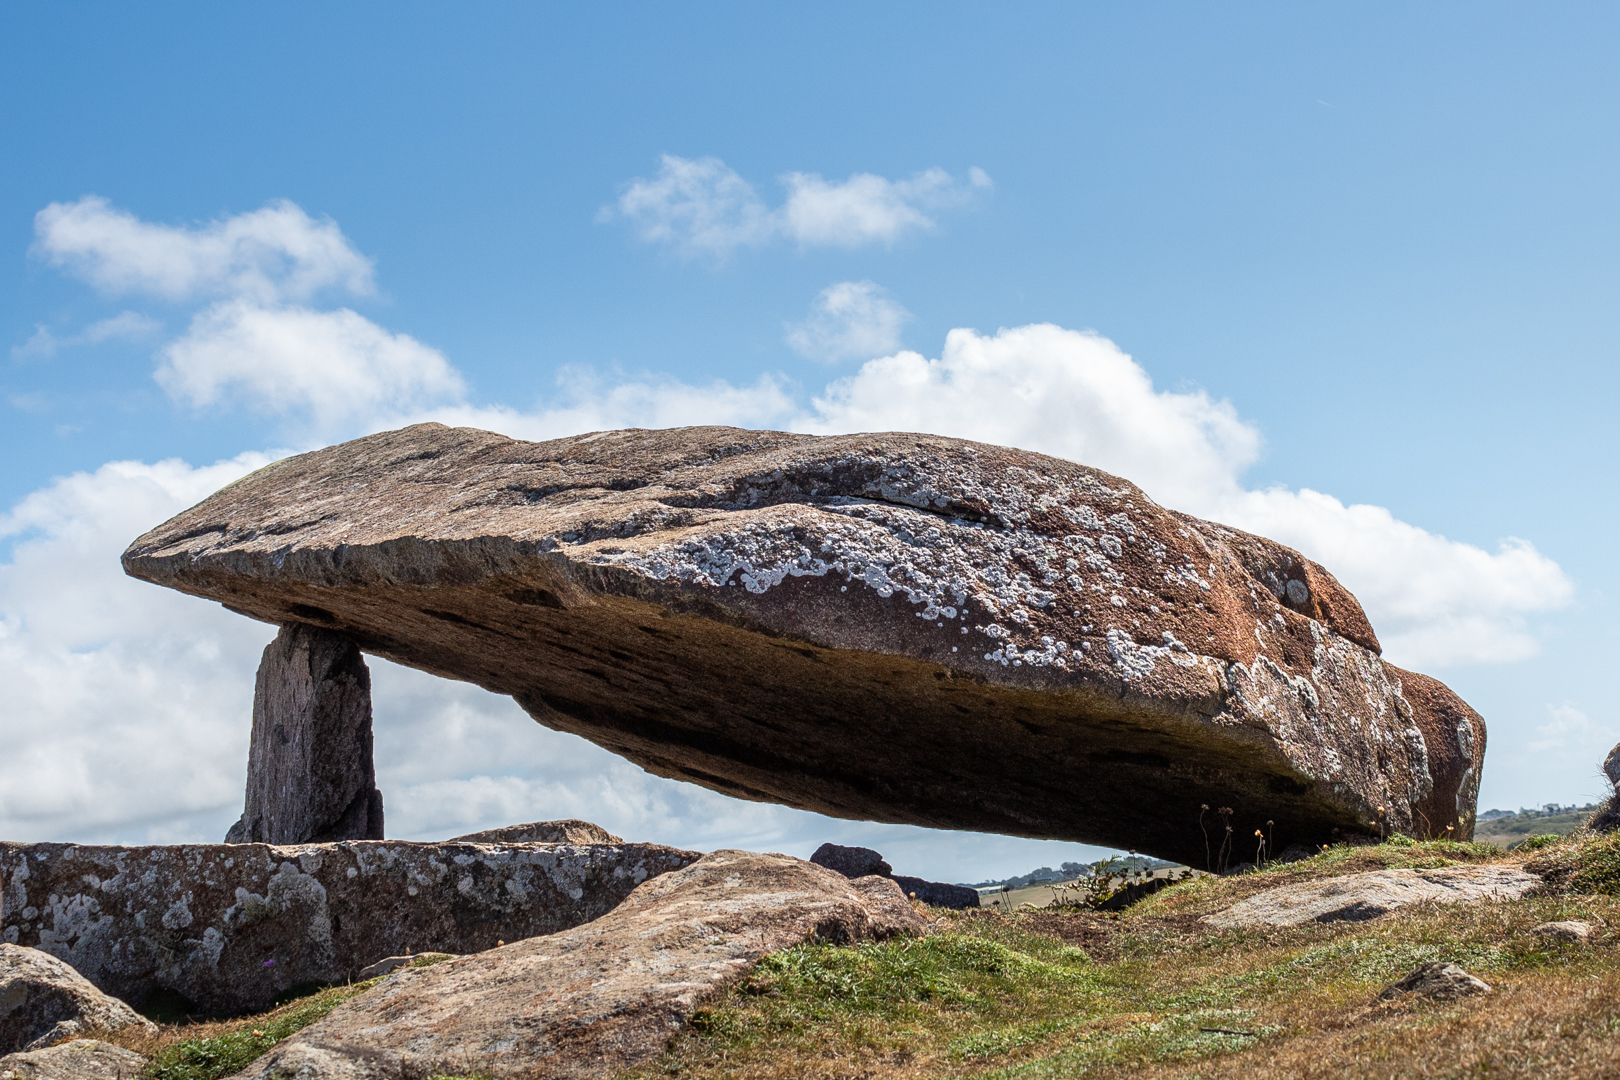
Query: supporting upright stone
x=310 y=772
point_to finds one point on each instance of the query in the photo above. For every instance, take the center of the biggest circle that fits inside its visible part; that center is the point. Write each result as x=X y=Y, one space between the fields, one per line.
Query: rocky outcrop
x=886 y=627
x=43 y=1001
x=1359 y=897
x=598 y=999
x=81 y=1059
x=229 y=927
x=310 y=773
x=859 y=862
x=570 y=831
x=1438 y=980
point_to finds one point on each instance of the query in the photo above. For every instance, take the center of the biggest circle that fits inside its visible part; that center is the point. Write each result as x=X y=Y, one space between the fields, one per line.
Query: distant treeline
x=1069 y=871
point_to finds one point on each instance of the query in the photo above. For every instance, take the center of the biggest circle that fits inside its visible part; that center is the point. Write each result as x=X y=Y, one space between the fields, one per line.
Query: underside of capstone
x=311 y=778
x=891 y=627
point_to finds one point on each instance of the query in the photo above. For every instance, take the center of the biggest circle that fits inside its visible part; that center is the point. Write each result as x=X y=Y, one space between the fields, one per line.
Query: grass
x=1153 y=992
x=1150 y=992
x=215 y=1049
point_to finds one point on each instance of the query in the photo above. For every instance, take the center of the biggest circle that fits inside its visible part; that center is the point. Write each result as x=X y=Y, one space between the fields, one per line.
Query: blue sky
x=1383 y=235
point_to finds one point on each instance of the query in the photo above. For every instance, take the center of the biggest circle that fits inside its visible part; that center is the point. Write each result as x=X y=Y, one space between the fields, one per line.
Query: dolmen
x=889 y=627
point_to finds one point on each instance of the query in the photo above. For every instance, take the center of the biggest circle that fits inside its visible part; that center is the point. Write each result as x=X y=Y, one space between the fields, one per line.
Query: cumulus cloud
x=337 y=368
x=1569 y=729
x=703 y=207
x=852 y=320
x=126 y=324
x=273 y=254
x=124 y=700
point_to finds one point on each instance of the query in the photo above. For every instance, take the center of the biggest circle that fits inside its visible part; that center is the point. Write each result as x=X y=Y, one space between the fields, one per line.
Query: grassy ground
x=1153 y=992
x=213 y=1049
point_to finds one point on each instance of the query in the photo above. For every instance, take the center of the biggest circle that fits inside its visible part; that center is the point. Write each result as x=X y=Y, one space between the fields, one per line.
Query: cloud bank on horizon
x=112 y=660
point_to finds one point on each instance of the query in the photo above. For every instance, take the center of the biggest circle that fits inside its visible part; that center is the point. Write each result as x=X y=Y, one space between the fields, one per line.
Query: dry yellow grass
x=1000 y=998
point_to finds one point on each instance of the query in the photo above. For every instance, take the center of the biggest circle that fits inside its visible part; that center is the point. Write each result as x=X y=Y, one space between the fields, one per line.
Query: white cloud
x=122 y=700
x=1070 y=394
x=1569 y=729
x=586 y=401
x=703 y=207
x=276 y=253
x=852 y=320
x=126 y=324
x=337 y=367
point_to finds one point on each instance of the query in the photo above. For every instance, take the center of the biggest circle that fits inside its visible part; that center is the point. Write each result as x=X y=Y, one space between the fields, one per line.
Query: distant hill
x=1505 y=828
x=1069 y=871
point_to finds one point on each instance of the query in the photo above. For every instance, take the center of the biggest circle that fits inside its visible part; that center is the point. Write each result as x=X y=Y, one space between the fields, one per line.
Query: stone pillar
x=310 y=773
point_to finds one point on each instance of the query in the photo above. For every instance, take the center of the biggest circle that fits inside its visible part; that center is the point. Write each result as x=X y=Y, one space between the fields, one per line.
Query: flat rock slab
x=43 y=1000
x=603 y=997
x=229 y=927
x=884 y=627
x=1359 y=897
x=82 y=1059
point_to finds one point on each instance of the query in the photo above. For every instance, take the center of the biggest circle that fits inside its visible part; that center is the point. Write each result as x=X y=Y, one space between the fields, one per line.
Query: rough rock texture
x=310 y=774
x=1439 y=980
x=1574 y=931
x=1359 y=897
x=888 y=627
x=598 y=999
x=571 y=831
x=81 y=1059
x=856 y=862
x=43 y=1000
x=937 y=893
x=852 y=862
x=231 y=926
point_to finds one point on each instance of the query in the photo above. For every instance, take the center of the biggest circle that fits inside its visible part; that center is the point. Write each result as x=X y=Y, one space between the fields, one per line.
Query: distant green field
x=1507 y=831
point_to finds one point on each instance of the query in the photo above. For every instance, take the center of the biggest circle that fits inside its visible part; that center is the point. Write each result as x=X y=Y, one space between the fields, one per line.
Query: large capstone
x=899 y=628
x=311 y=779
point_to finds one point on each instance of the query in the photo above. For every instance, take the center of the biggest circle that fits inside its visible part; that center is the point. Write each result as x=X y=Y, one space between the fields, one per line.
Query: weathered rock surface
x=858 y=862
x=1359 y=897
x=570 y=831
x=43 y=1000
x=852 y=862
x=231 y=926
x=888 y=627
x=1574 y=931
x=1438 y=980
x=310 y=773
x=598 y=999
x=81 y=1059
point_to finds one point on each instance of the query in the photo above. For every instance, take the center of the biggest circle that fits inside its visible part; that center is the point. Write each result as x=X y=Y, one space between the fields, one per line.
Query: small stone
x=1439 y=980
x=1571 y=930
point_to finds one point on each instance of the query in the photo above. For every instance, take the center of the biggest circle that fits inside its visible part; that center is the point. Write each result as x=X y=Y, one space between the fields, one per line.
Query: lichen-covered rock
x=569 y=831
x=1370 y=895
x=81 y=1059
x=888 y=627
x=229 y=927
x=598 y=999
x=43 y=1001
x=310 y=774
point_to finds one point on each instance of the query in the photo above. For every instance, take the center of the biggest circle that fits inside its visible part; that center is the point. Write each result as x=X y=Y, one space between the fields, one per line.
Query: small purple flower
x=270 y=963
